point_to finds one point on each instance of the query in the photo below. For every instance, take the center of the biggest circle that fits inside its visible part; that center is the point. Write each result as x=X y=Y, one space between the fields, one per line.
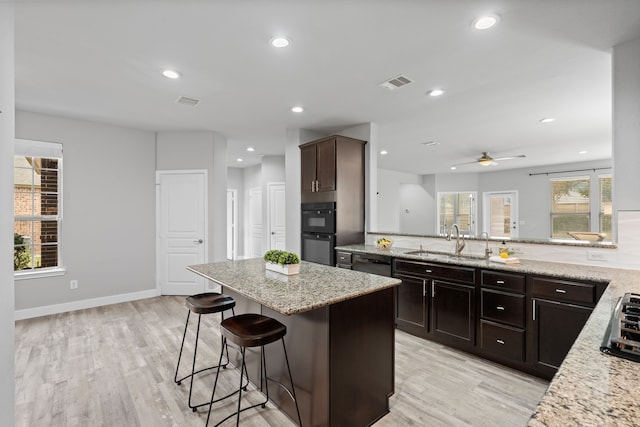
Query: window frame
x=48 y=150
x=473 y=212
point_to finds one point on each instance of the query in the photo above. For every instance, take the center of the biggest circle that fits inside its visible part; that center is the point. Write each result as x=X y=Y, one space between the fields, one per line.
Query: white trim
x=46 y=310
x=37 y=273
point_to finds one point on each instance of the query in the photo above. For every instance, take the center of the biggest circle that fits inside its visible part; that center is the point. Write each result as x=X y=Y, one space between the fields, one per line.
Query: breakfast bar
x=340 y=336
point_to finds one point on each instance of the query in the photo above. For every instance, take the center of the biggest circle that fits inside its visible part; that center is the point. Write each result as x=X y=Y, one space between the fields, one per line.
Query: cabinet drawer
x=503 y=307
x=441 y=271
x=513 y=282
x=502 y=341
x=343 y=257
x=560 y=290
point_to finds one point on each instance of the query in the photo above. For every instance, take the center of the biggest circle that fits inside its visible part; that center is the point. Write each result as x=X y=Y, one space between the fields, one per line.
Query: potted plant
x=282 y=261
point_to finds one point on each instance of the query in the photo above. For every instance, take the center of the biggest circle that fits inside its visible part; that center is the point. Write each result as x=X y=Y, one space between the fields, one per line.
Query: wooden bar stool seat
x=253 y=330
x=205 y=303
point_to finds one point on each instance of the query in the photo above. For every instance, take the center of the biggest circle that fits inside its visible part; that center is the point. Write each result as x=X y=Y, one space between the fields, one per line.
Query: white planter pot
x=287 y=269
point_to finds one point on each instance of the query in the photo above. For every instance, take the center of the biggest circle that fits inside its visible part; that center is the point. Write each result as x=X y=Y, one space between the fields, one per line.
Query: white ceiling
x=102 y=61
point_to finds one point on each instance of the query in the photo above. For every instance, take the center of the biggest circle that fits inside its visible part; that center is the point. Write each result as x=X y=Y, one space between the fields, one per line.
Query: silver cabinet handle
x=500 y=282
x=433 y=289
x=424 y=288
x=427 y=271
x=501 y=308
x=313 y=186
x=561 y=291
x=500 y=342
x=534 y=310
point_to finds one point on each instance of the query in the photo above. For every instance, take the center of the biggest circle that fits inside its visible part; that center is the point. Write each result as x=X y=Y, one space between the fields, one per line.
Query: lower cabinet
x=453 y=308
x=556 y=326
x=412 y=305
x=502 y=342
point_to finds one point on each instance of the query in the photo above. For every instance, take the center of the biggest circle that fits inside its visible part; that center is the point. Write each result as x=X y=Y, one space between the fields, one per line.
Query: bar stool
x=253 y=330
x=210 y=302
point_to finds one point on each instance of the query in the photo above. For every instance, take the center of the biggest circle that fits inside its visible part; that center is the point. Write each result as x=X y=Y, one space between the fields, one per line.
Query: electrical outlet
x=596 y=256
x=73 y=284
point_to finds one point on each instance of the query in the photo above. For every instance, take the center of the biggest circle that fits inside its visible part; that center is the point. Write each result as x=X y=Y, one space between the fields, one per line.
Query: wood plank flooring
x=114 y=366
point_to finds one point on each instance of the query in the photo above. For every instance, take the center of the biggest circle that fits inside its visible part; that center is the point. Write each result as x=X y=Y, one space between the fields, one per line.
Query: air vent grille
x=396 y=82
x=189 y=102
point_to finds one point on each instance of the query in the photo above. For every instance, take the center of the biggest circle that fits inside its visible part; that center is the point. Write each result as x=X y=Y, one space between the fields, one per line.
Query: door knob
x=198 y=242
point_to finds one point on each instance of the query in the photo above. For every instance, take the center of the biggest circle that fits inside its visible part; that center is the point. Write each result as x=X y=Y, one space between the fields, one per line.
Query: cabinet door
x=453 y=310
x=308 y=169
x=326 y=165
x=412 y=309
x=556 y=326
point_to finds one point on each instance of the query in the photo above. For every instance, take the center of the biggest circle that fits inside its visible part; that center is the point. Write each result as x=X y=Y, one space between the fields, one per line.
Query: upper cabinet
x=332 y=167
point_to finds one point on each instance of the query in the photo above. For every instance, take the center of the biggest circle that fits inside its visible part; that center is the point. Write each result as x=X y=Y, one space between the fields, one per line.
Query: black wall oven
x=319 y=218
x=319 y=248
x=319 y=232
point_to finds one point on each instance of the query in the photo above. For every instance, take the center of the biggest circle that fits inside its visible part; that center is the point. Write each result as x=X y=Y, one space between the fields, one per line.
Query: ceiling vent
x=189 y=102
x=396 y=82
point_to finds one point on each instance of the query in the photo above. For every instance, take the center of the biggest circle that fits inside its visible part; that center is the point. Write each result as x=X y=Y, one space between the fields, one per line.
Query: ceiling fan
x=486 y=160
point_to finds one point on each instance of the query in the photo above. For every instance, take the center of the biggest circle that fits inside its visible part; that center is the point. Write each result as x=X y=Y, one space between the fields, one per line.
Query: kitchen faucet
x=487 y=251
x=459 y=238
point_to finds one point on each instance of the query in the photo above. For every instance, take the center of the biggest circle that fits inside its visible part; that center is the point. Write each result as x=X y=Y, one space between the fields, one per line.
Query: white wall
x=7 y=118
x=626 y=149
x=201 y=150
x=108 y=228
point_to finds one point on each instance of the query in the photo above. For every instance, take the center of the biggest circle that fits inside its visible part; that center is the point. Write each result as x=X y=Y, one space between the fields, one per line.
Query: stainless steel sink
x=440 y=255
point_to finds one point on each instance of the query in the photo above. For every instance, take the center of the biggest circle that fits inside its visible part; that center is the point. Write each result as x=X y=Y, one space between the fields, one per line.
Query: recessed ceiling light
x=239 y=160
x=384 y=152
x=251 y=149
x=171 y=74
x=583 y=152
x=297 y=109
x=485 y=22
x=547 y=120
x=453 y=168
x=435 y=92
x=280 y=41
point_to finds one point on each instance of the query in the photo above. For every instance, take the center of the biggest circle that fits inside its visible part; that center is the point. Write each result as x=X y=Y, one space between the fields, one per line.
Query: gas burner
x=622 y=337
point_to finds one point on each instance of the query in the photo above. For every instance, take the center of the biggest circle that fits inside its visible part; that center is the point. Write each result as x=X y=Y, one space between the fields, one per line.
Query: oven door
x=319 y=248
x=318 y=218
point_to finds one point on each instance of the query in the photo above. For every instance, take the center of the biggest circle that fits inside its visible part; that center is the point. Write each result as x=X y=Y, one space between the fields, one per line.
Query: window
x=606 y=206
x=457 y=208
x=570 y=206
x=37 y=206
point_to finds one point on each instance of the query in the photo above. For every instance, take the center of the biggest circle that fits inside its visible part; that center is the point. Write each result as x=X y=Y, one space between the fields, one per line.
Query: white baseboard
x=46 y=310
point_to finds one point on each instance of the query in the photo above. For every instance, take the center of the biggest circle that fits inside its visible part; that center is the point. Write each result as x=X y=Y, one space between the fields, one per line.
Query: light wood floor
x=114 y=366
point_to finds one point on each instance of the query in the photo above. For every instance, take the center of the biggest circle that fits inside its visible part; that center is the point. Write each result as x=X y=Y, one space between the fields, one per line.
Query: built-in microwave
x=319 y=218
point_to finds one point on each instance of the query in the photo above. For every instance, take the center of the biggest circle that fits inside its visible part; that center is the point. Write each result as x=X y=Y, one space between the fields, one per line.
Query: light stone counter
x=590 y=388
x=316 y=286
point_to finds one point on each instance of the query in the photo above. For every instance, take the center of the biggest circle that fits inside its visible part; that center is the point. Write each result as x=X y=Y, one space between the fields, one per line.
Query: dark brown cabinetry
x=412 y=305
x=560 y=310
x=453 y=313
x=502 y=312
x=318 y=161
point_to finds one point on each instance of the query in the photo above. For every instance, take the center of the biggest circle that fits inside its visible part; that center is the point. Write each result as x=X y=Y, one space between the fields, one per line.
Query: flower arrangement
x=383 y=243
x=282 y=261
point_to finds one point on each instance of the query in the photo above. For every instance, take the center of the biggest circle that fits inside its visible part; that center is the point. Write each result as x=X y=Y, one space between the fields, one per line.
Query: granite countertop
x=590 y=388
x=316 y=286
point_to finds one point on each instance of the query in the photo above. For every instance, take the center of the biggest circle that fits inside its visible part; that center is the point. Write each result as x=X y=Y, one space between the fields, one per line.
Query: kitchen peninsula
x=340 y=336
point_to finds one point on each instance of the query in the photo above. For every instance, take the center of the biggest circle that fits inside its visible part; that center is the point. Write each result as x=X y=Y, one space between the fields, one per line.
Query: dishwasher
x=374 y=264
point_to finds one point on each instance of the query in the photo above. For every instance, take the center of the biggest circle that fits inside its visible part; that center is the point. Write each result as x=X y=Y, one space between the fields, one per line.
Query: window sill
x=36 y=274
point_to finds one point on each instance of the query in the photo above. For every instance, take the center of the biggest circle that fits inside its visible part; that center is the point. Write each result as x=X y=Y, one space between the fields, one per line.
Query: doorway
x=500 y=214
x=232 y=224
x=277 y=215
x=181 y=229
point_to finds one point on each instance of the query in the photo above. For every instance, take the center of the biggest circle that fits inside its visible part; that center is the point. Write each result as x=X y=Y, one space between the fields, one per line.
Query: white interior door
x=181 y=206
x=255 y=223
x=500 y=214
x=277 y=216
x=232 y=221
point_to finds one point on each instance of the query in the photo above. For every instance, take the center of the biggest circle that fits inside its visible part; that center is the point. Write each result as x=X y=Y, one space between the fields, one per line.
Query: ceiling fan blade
x=510 y=157
x=465 y=163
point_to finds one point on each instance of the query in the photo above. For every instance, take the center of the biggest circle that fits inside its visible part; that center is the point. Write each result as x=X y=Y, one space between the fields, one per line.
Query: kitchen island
x=340 y=336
